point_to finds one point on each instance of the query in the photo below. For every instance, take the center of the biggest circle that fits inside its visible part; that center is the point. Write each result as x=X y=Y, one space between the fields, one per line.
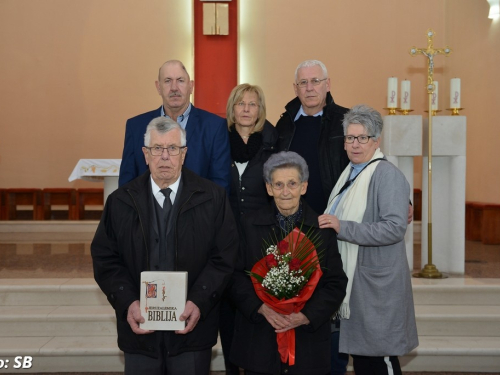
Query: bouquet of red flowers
x=286 y=278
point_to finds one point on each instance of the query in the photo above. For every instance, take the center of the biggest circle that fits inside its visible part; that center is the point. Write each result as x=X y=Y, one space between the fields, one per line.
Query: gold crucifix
x=430 y=52
x=430 y=270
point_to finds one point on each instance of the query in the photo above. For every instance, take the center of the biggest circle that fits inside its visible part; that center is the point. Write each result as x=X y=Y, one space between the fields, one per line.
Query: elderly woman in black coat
x=254 y=345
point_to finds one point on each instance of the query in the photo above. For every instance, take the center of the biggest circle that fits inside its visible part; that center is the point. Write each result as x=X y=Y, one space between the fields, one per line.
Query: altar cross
x=430 y=52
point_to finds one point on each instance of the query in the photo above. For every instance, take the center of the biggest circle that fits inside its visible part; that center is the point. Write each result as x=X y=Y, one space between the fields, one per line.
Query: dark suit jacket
x=208 y=152
x=205 y=245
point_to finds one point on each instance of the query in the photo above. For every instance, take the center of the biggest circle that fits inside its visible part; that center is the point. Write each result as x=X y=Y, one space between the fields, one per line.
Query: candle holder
x=404 y=112
x=434 y=112
x=392 y=111
x=455 y=111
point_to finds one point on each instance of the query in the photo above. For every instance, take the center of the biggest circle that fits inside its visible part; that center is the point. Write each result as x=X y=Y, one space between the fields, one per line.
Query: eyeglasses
x=314 y=81
x=252 y=105
x=362 y=139
x=171 y=150
x=280 y=185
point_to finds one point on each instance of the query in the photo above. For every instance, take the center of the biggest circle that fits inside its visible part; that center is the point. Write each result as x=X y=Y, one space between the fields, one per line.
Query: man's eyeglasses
x=361 y=138
x=171 y=150
x=314 y=81
x=251 y=105
x=290 y=185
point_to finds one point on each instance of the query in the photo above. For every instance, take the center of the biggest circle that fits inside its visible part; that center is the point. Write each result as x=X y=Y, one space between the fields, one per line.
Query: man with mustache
x=207 y=136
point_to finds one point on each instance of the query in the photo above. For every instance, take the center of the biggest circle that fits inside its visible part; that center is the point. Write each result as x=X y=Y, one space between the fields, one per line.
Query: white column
x=401 y=141
x=448 y=194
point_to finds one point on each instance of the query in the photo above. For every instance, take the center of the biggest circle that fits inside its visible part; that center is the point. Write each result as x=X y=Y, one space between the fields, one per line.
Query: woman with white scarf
x=368 y=208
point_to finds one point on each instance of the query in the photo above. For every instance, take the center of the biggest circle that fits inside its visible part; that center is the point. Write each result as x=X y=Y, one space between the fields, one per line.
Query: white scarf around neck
x=351 y=207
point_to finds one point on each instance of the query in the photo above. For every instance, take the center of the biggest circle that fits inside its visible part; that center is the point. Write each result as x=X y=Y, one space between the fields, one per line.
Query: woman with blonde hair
x=252 y=140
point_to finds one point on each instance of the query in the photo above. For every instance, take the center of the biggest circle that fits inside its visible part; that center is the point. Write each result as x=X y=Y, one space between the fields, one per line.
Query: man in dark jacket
x=197 y=234
x=312 y=127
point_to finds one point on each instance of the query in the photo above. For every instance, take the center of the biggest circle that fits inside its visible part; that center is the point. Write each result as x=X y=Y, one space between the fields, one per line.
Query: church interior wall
x=73 y=72
x=476 y=42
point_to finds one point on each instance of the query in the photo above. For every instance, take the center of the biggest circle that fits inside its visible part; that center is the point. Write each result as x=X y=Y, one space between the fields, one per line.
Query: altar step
x=47 y=231
x=40 y=321
x=67 y=325
x=76 y=231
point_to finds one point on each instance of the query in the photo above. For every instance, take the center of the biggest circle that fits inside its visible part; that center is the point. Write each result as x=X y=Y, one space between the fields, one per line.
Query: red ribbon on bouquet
x=286 y=340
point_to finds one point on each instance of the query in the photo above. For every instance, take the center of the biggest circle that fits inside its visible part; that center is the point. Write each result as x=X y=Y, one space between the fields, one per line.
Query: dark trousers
x=226 y=330
x=364 y=365
x=339 y=360
x=189 y=363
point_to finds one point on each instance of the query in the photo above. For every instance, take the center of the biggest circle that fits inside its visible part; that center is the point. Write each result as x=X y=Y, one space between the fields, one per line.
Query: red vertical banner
x=215 y=62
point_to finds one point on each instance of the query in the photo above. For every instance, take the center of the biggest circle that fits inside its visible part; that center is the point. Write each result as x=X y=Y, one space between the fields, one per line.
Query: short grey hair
x=367 y=116
x=163 y=125
x=309 y=63
x=173 y=62
x=285 y=159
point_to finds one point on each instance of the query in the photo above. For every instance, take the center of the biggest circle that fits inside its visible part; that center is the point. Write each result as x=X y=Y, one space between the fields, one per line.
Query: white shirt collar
x=159 y=195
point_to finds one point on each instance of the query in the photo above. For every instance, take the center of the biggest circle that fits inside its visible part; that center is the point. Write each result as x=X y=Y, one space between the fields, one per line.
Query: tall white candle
x=405 y=94
x=455 y=93
x=392 y=92
x=435 y=97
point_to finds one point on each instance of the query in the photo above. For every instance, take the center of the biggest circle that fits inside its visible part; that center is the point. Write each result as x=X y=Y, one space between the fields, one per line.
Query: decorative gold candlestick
x=392 y=111
x=455 y=111
x=404 y=112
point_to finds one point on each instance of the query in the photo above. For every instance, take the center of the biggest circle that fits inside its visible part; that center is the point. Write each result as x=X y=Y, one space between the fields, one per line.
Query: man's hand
x=191 y=315
x=134 y=317
x=410 y=214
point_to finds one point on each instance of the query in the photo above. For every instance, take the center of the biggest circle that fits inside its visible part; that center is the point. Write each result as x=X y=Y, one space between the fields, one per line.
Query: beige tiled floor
x=71 y=260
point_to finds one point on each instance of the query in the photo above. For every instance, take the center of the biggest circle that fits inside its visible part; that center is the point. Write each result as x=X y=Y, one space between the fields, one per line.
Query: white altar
x=401 y=141
x=98 y=170
x=449 y=134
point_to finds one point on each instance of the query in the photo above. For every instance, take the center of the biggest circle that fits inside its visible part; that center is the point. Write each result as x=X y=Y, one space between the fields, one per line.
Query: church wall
x=476 y=42
x=72 y=73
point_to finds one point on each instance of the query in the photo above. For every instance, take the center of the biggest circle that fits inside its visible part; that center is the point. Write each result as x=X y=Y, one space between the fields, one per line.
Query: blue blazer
x=208 y=153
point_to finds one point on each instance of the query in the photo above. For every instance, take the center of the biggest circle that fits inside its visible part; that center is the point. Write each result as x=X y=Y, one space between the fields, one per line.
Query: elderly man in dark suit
x=207 y=135
x=167 y=219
